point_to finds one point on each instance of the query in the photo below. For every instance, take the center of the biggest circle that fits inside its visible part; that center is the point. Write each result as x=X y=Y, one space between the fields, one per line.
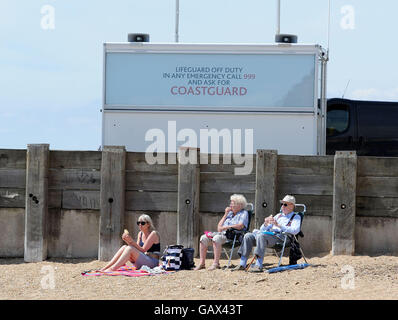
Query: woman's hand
x=127 y=238
x=227 y=210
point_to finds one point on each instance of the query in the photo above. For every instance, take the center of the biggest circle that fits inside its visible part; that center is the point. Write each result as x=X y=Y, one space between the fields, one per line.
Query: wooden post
x=36 y=202
x=112 y=201
x=188 y=198
x=344 y=203
x=266 y=175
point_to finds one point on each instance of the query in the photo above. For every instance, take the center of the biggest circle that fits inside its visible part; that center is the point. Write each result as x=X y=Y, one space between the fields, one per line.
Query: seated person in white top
x=282 y=222
x=235 y=217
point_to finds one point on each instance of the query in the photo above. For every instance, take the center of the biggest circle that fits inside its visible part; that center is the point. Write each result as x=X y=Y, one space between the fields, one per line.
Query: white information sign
x=240 y=82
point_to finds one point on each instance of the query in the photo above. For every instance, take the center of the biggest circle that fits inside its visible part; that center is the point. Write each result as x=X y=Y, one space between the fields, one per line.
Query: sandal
x=200 y=267
x=214 y=267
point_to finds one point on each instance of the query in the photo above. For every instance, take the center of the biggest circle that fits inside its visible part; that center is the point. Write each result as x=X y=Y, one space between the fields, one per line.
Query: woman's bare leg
x=217 y=252
x=129 y=254
x=114 y=259
x=202 y=254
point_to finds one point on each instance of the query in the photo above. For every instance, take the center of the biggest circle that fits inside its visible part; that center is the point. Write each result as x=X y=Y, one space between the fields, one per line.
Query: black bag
x=295 y=252
x=187 y=262
x=230 y=234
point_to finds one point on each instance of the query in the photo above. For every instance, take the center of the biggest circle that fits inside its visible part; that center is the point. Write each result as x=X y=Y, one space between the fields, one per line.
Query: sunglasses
x=285 y=204
x=141 y=223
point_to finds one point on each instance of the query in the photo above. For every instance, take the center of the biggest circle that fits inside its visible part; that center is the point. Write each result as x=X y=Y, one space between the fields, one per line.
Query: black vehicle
x=369 y=127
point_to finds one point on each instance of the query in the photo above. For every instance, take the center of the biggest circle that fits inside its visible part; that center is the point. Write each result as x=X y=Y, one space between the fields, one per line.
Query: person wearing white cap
x=285 y=221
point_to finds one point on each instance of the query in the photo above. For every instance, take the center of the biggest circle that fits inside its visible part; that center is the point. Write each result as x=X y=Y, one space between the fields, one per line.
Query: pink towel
x=128 y=271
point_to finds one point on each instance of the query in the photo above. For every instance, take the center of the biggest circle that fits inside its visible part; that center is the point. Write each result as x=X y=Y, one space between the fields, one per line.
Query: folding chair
x=284 y=236
x=237 y=235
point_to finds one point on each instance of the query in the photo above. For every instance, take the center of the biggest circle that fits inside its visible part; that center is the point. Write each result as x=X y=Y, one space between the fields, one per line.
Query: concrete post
x=188 y=198
x=344 y=203
x=266 y=181
x=112 y=201
x=36 y=202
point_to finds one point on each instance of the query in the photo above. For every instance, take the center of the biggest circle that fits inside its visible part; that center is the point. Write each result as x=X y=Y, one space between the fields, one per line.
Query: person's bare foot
x=214 y=266
x=200 y=267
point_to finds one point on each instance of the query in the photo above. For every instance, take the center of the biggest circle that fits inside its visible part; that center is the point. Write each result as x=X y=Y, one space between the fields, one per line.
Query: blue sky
x=51 y=79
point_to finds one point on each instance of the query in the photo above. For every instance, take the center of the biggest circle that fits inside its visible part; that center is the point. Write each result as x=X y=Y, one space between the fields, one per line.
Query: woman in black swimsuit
x=146 y=251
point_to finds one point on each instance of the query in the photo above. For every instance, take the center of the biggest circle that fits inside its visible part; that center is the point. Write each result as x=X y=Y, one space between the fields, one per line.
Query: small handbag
x=172 y=257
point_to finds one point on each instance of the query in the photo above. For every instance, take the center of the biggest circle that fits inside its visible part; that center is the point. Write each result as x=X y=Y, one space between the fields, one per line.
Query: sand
x=329 y=277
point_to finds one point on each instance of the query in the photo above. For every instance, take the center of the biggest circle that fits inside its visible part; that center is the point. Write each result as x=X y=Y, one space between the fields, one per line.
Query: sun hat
x=288 y=198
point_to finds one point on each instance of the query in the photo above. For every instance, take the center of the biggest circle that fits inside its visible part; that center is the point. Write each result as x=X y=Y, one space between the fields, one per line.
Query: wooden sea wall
x=57 y=203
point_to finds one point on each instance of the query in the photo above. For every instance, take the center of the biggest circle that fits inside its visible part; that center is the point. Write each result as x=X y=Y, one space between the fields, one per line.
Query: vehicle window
x=337 y=119
x=378 y=121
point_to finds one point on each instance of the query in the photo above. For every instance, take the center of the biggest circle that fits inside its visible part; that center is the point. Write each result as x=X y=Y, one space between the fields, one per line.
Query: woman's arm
x=130 y=241
x=152 y=238
x=243 y=220
x=127 y=238
x=238 y=226
x=220 y=227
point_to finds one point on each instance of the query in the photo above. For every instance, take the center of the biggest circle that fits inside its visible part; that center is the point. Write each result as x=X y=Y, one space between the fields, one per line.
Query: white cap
x=288 y=198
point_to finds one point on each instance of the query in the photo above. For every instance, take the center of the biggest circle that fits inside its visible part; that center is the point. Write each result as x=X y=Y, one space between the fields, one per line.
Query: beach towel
x=129 y=271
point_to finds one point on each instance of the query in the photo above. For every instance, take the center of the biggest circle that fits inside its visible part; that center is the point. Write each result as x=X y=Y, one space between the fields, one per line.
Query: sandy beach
x=328 y=277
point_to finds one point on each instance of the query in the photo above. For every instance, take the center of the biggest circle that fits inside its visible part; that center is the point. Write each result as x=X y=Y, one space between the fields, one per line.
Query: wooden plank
x=265 y=185
x=222 y=163
x=377 y=167
x=12 y=159
x=12 y=198
x=112 y=201
x=188 y=200
x=217 y=201
x=54 y=198
x=12 y=229
x=74 y=179
x=159 y=168
x=151 y=181
x=76 y=199
x=151 y=201
x=377 y=187
x=75 y=159
x=305 y=184
x=377 y=207
x=305 y=165
x=136 y=161
x=317 y=205
x=36 y=203
x=13 y=178
x=227 y=182
x=344 y=203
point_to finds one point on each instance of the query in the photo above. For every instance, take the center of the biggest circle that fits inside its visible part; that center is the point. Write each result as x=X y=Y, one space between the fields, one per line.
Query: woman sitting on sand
x=145 y=252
